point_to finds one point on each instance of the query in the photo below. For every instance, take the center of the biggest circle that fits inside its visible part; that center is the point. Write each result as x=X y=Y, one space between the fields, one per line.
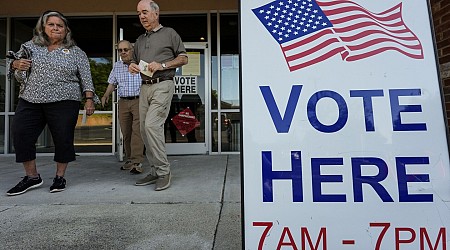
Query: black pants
x=30 y=120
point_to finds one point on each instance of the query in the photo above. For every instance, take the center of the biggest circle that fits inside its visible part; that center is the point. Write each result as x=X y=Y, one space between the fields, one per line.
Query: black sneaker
x=25 y=184
x=136 y=168
x=59 y=184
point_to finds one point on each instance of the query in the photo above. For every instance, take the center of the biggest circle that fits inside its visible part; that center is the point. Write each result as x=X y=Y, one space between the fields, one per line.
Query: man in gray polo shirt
x=157 y=54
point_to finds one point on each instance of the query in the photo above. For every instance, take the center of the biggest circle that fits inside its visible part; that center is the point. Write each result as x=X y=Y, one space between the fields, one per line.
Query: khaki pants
x=130 y=127
x=154 y=105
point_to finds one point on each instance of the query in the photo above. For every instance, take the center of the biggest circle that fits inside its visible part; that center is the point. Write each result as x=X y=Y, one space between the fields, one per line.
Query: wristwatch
x=163 y=65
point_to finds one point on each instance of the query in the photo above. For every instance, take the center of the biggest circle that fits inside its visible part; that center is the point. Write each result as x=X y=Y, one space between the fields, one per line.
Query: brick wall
x=441 y=20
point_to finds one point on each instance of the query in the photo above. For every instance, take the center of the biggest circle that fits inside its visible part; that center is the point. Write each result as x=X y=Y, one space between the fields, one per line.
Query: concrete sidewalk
x=102 y=209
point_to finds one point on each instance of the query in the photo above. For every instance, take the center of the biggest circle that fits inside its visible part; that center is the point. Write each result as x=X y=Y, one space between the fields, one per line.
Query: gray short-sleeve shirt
x=160 y=45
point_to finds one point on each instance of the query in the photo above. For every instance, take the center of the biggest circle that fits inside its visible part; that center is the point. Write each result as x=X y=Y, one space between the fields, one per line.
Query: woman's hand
x=22 y=64
x=89 y=106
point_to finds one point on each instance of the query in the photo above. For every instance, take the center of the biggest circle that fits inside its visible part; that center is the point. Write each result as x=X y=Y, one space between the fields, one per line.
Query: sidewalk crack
x=221 y=204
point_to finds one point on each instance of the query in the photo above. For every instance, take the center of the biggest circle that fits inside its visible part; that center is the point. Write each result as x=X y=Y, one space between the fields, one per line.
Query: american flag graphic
x=311 y=31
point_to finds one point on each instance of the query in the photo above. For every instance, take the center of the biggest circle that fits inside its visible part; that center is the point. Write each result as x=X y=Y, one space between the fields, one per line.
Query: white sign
x=344 y=139
x=186 y=85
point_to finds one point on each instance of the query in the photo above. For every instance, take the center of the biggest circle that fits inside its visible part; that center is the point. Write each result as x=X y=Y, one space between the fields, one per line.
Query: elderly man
x=128 y=91
x=157 y=54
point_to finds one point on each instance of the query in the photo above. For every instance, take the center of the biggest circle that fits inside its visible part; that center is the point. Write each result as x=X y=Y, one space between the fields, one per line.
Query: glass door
x=187 y=126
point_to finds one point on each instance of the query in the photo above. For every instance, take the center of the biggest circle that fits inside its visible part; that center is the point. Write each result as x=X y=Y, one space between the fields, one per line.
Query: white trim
x=7 y=92
x=219 y=86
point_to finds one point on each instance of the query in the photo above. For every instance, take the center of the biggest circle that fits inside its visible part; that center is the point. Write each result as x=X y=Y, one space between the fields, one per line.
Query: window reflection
x=214 y=64
x=100 y=69
x=2 y=65
x=22 y=31
x=229 y=61
x=230 y=81
x=228 y=129
x=93 y=133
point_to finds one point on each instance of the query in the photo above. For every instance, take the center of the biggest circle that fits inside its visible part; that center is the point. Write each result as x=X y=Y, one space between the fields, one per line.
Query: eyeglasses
x=124 y=50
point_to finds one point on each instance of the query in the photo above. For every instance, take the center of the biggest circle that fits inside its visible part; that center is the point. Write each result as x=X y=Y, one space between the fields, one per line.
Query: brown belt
x=156 y=80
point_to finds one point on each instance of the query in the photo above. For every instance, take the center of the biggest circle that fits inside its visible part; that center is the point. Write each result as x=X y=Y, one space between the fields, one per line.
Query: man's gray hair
x=154 y=6
x=125 y=41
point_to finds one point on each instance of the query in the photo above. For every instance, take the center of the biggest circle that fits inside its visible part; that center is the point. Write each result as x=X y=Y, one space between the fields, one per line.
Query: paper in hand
x=84 y=117
x=144 y=68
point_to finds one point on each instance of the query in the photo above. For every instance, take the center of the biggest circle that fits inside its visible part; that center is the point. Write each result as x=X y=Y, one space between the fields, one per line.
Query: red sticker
x=185 y=121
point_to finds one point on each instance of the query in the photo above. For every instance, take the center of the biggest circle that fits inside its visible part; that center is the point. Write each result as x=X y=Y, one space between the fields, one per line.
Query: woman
x=54 y=74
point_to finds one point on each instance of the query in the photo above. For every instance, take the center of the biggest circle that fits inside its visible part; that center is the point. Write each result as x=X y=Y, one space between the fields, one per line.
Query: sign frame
x=279 y=106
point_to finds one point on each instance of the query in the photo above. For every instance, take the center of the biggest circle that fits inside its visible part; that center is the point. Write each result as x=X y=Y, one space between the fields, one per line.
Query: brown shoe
x=128 y=165
x=136 y=168
x=147 y=180
x=163 y=182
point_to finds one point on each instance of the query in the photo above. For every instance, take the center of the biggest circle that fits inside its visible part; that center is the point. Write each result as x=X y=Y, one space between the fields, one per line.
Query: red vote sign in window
x=185 y=121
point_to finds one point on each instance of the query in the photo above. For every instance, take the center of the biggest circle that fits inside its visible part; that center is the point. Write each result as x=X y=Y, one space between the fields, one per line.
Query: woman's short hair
x=39 y=36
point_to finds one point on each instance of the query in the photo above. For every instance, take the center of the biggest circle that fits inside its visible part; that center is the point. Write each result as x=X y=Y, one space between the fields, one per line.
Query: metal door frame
x=200 y=147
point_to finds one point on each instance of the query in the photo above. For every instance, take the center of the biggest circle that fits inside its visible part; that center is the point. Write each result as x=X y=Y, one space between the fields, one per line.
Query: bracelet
x=89 y=98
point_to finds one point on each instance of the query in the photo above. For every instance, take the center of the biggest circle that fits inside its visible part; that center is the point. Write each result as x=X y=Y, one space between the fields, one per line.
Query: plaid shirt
x=128 y=84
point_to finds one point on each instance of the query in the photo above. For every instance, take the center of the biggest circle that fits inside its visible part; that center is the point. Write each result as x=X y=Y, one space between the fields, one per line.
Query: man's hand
x=105 y=99
x=154 y=66
x=133 y=68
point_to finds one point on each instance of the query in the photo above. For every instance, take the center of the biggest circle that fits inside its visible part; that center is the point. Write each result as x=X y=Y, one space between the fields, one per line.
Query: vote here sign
x=185 y=85
x=344 y=135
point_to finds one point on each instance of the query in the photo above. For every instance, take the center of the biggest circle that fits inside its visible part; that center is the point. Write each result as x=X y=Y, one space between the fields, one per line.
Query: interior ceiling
x=25 y=8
